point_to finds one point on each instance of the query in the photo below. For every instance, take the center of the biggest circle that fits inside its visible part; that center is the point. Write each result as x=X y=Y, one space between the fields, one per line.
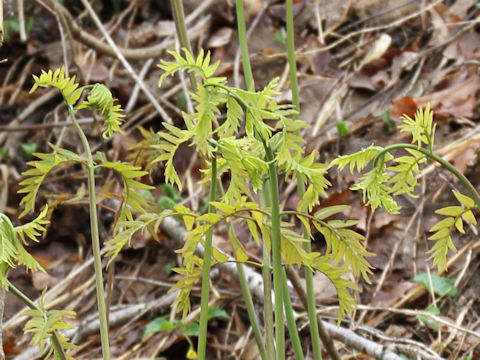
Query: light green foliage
x=241 y=156
x=66 y=85
x=442 y=286
x=36 y=175
x=99 y=98
x=383 y=181
x=44 y=323
x=422 y=127
x=12 y=252
x=455 y=216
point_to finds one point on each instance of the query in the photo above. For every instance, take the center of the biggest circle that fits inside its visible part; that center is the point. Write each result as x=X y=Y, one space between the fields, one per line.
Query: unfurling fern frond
x=101 y=100
x=44 y=323
x=40 y=169
x=455 y=215
x=66 y=85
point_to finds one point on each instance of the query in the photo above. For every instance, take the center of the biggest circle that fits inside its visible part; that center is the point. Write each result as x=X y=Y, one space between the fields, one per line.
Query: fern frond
x=146 y=221
x=44 y=323
x=200 y=66
x=173 y=139
x=345 y=243
x=455 y=215
x=375 y=191
x=8 y=249
x=358 y=160
x=243 y=159
x=334 y=274
x=66 y=85
x=422 y=127
x=34 y=228
x=407 y=169
x=311 y=172
x=100 y=99
x=132 y=202
x=203 y=120
x=40 y=169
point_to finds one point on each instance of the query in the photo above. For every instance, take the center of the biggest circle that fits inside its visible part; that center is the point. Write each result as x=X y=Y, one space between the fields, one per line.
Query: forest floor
x=361 y=65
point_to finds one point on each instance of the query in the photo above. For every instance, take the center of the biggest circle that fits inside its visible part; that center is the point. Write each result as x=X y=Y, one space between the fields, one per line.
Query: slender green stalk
x=179 y=17
x=26 y=300
x=207 y=255
x=276 y=257
x=267 y=284
x=247 y=296
x=242 y=39
x=311 y=308
x=265 y=196
x=292 y=325
x=97 y=260
x=463 y=180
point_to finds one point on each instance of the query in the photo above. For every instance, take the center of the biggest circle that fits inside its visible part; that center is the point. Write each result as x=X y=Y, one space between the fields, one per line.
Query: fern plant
x=100 y=100
x=392 y=175
x=269 y=145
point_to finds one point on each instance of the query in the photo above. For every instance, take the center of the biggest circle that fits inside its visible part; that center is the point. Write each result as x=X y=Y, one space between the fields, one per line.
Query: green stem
x=179 y=17
x=265 y=198
x=463 y=180
x=276 y=257
x=242 y=39
x=311 y=305
x=202 y=335
x=58 y=350
x=247 y=296
x=267 y=284
x=292 y=325
x=97 y=260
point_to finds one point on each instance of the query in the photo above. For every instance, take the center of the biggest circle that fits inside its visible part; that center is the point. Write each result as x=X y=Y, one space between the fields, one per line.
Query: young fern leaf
x=455 y=215
x=35 y=228
x=12 y=251
x=67 y=86
x=421 y=128
x=200 y=67
x=346 y=301
x=344 y=243
x=40 y=169
x=44 y=323
x=146 y=221
x=8 y=248
x=375 y=191
x=172 y=140
x=100 y=99
x=358 y=160
x=132 y=202
x=405 y=179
